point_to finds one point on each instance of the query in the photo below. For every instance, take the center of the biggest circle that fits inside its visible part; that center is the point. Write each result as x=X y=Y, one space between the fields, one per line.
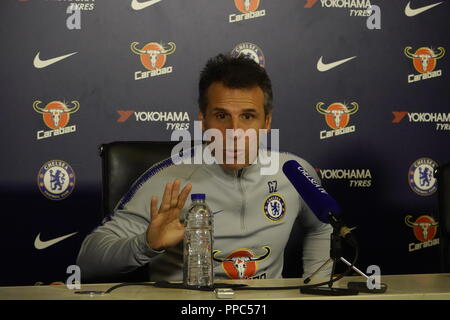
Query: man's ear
x=201 y=117
x=268 y=122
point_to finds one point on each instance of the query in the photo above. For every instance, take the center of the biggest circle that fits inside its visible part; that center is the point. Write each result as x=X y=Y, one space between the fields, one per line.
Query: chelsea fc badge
x=56 y=179
x=421 y=176
x=251 y=51
x=274 y=208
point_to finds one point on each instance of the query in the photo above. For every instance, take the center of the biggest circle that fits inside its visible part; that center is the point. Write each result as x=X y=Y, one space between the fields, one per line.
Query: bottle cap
x=198 y=196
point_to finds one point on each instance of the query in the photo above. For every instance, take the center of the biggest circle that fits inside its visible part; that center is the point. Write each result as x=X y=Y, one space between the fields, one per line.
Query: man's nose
x=235 y=123
x=235 y=126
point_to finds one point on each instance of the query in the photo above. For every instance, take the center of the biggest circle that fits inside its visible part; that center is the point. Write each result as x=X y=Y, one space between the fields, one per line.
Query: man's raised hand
x=165 y=229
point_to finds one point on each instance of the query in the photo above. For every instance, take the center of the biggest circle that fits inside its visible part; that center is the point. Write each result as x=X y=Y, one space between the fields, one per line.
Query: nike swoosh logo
x=414 y=12
x=38 y=63
x=328 y=66
x=136 y=5
x=39 y=244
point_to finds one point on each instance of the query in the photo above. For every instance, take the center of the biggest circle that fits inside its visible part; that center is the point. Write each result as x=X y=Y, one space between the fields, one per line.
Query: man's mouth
x=234 y=152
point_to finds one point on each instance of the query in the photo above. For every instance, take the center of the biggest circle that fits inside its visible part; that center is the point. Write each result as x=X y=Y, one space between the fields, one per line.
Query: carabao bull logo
x=153 y=55
x=56 y=114
x=424 y=227
x=246 y=6
x=337 y=115
x=241 y=264
x=424 y=59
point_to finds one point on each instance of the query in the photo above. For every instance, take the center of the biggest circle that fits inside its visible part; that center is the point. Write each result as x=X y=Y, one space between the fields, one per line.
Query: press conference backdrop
x=360 y=91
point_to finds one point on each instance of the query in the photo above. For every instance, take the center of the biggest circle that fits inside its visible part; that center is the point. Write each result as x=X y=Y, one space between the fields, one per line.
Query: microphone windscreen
x=315 y=196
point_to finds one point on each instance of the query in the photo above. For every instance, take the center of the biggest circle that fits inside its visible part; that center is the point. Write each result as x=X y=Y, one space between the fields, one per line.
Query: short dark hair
x=236 y=73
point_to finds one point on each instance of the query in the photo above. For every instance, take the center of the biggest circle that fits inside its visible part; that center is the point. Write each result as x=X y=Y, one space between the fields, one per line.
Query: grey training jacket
x=254 y=215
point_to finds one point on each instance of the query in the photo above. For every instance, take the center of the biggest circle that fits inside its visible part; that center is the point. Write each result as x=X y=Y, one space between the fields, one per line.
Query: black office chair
x=443 y=180
x=124 y=162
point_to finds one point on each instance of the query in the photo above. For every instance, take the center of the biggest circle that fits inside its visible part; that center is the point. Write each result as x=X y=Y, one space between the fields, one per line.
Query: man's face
x=235 y=109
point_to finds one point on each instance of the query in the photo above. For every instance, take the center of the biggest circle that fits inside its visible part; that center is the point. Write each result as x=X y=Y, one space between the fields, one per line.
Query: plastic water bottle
x=198 y=243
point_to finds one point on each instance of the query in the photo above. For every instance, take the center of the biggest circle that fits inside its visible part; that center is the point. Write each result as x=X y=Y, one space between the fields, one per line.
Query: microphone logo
x=311 y=179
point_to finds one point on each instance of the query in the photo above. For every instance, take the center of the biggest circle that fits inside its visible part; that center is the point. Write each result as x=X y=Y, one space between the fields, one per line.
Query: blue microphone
x=315 y=196
x=318 y=200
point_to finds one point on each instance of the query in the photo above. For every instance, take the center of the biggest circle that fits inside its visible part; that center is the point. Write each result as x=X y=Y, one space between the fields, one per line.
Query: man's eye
x=248 y=116
x=220 y=115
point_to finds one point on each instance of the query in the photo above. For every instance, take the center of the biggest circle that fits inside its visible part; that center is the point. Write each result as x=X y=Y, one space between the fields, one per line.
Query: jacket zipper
x=242 y=191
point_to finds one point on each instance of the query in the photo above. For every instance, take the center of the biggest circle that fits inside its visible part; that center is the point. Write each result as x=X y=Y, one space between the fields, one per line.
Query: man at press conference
x=146 y=227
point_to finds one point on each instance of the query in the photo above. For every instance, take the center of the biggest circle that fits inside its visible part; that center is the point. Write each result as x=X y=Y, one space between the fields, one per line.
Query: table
x=400 y=287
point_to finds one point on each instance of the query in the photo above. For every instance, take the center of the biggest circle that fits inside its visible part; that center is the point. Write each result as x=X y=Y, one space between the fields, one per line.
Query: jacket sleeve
x=119 y=245
x=316 y=242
